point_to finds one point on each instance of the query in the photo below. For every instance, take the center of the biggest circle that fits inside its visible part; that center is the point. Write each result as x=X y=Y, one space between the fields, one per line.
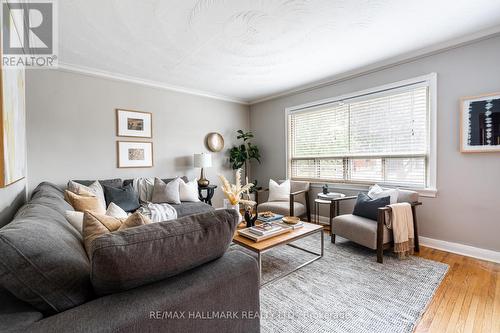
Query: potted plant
x=241 y=155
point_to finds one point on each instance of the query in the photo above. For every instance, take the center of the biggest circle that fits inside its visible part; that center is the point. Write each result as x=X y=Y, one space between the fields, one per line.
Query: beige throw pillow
x=95 y=225
x=84 y=201
x=167 y=193
x=94 y=188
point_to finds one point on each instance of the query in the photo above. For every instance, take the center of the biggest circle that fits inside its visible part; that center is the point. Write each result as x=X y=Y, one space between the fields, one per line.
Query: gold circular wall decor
x=215 y=142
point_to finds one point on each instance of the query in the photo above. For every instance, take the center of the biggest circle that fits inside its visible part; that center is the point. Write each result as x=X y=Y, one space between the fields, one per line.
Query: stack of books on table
x=264 y=231
x=293 y=226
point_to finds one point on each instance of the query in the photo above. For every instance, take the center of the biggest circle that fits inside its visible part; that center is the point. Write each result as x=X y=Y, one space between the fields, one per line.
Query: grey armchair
x=373 y=234
x=297 y=205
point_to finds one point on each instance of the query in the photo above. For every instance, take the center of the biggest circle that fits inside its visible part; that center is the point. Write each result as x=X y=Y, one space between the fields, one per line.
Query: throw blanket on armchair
x=400 y=220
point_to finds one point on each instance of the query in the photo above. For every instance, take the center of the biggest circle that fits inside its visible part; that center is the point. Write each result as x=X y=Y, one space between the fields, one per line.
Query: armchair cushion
x=359 y=229
x=282 y=207
x=407 y=196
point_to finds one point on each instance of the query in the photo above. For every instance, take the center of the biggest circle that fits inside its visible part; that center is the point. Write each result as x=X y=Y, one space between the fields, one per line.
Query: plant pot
x=227 y=205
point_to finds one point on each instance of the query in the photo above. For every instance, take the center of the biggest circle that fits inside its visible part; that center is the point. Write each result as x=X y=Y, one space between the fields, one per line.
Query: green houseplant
x=241 y=155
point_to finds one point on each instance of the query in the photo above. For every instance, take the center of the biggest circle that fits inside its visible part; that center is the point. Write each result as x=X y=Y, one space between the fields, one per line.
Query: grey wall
x=467 y=208
x=11 y=198
x=72 y=134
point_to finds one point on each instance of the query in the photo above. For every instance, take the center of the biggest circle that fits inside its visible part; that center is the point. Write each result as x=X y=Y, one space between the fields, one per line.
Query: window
x=381 y=136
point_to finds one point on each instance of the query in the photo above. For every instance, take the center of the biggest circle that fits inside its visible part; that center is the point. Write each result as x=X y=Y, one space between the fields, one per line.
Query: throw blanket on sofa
x=158 y=212
x=400 y=220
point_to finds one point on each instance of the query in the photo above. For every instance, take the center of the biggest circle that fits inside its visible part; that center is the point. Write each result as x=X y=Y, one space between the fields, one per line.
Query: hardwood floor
x=468 y=299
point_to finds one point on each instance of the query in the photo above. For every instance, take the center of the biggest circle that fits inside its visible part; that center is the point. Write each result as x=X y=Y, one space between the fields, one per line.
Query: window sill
x=426 y=192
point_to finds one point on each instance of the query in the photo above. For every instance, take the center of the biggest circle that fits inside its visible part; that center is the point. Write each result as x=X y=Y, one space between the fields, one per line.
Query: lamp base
x=203 y=182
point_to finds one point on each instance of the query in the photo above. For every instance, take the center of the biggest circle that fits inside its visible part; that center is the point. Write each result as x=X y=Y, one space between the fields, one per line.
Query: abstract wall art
x=480 y=123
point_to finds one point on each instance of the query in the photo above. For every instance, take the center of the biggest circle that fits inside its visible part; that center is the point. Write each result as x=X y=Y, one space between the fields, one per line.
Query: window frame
x=429 y=80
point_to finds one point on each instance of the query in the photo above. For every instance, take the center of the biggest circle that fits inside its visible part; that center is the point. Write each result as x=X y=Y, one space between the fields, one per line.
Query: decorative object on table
x=234 y=192
x=203 y=160
x=134 y=154
x=249 y=217
x=210 y=190
x=266 y=217
x=264 y=231
x=240 y=156
x=214 y=142
x=137 y=124
x=480 y=123
x=12 y=126
x=325 y=189
x=290 y=219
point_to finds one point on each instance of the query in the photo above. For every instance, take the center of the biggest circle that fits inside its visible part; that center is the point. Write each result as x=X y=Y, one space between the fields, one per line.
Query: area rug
x=346 y=290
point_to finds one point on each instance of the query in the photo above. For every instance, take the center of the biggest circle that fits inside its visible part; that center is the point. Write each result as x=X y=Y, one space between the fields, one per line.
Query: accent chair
x=374 y=234
x=297 y=205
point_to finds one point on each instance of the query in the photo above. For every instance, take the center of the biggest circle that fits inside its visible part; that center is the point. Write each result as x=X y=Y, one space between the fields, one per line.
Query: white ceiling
x=249 y=49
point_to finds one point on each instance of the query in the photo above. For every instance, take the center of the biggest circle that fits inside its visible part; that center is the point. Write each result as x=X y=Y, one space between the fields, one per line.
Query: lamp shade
x=202 y=160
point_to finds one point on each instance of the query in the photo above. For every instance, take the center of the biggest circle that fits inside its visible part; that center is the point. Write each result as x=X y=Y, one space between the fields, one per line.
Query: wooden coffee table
x=284 y=239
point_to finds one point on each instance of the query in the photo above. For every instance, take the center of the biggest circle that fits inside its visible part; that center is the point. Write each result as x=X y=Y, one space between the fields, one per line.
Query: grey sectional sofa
x=45 y=284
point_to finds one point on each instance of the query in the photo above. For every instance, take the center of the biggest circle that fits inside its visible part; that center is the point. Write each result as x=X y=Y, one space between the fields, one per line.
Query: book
x=293 y=226
x=270 y=219
x=264 y=229
x=256 y=238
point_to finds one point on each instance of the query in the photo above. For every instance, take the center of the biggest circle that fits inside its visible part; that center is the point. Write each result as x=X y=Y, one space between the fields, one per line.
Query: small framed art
x=137 y=124
x=132 y=154
x=480 y=123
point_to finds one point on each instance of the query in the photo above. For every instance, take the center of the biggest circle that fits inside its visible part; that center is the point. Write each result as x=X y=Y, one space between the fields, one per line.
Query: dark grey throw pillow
x=138 y=256
x=125 y=197
x=367 y=207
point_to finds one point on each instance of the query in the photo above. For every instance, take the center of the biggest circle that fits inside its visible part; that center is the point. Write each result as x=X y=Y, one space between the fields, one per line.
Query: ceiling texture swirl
x=246 y=50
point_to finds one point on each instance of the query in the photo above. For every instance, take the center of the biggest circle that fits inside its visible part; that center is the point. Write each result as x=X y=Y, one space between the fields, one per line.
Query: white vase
x=227 y=205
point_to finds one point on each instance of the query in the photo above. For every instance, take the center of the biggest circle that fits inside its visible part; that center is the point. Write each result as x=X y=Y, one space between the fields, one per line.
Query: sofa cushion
x=359 y=229
x=165 y=180
x=125 y=197
x=166 y=192
x=281 y=207
x=95 y=188
x=84 y=201
x=171 y=247
x=42 y=259
x=115 y=182
x=191 y=208
x=95 y=225
x=367 y=207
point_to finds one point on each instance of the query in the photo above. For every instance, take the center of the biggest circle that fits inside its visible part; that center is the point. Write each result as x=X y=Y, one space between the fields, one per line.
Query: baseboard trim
x=465 y=250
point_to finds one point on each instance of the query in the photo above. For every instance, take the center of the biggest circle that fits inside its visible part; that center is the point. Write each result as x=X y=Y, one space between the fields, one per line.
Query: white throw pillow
x=189 y=191
x=116 y=211
x=166 y=193
x=279 y=192
x=377 y=192
x=95 y=188
x=75 y=219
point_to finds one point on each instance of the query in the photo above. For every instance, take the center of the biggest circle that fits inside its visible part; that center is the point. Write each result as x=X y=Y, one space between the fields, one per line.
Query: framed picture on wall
x=480 y=123
x=132 y=154
x=12 y=123
x=137 y=124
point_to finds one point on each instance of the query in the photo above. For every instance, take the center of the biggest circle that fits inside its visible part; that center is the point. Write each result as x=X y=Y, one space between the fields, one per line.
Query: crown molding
x=389 y=63
x=66 y=67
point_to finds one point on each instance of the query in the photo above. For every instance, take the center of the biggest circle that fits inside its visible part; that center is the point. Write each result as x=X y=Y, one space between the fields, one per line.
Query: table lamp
x=202 y=160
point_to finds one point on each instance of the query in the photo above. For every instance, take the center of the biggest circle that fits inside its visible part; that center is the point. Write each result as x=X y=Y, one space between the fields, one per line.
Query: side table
x=210 y=190
x=334 y=204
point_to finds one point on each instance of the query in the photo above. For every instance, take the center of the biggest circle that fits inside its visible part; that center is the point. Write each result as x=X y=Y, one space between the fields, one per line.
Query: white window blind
x=377 y=138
